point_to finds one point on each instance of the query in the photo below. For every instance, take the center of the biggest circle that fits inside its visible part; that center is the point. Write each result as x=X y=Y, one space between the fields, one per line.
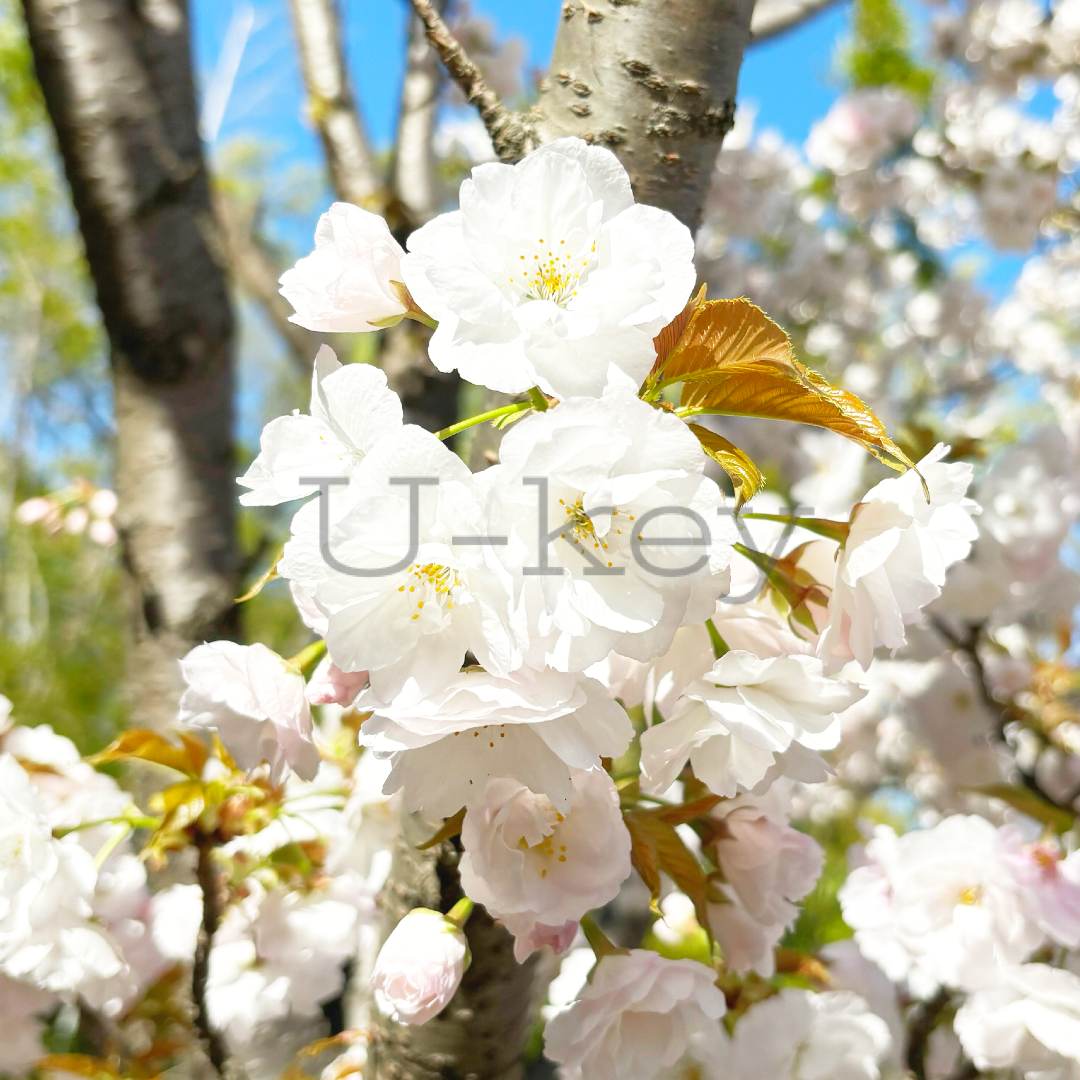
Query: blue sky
x=788 y=80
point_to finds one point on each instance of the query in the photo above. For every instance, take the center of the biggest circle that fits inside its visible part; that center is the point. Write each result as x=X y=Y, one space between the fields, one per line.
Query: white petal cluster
x=744 y=717
x=635 y=1017
x=1030 y=1021
x=767 y=866
x=799 y=1035
x=537 y=868
x=894 y=560
x=939 y=907
x=47 y=936
x=444 y=748
x=550 y=275
x=351 y=409
x=346 y=285
x=255 y=702
x=414 y=623
x=623 y=540
x=280 y=953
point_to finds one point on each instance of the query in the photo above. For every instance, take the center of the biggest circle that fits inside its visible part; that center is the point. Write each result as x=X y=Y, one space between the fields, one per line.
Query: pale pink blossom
x=420 y=967
x=531 y=864
x=255 y=701
x=329 y=685
x=635 y=1017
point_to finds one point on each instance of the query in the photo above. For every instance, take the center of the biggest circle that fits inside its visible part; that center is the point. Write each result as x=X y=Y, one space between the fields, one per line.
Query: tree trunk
x=660 y=91
x=118 y=85
x=480 y=1035
x=653 y=80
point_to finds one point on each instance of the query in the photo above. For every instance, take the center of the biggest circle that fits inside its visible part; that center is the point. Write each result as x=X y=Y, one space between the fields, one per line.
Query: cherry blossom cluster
x=602 y=685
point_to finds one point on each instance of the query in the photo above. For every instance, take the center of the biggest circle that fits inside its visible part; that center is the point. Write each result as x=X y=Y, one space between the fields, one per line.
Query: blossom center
x=431 y=582
x=551 y=272
x=970 y=896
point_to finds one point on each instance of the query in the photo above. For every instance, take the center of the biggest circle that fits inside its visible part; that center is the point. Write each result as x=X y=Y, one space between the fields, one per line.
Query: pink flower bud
x=419 y=967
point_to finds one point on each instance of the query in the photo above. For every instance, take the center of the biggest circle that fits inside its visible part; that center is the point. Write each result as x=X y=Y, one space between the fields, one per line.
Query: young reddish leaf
x=668 y=338
x=263 y=581
x=745 y=476
x=732 y=358
x=451 y=827
x=142 y=745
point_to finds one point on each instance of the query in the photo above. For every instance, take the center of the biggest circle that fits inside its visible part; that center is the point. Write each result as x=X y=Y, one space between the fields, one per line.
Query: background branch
x=414 y=158
x=256 y=270
x=207 y=876
x=354 y=174
x=924 y=1018
x=511 y=134
x=775 y=17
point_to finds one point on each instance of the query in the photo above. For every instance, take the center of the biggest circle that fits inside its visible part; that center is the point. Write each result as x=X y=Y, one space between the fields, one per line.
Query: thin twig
x=354 y=170
x=1004 y=713
x=207 y=877
x=924 y=1018
x=510 y=134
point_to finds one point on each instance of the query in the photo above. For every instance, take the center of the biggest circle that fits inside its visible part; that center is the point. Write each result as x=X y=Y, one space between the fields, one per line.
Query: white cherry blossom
x=742 y=718
x=1030 y=1021
x=411 y=623
x=635 y=1017
x=604 y=506
x=529 y=863
x=550 y=275
x=351 y=409
x=939 y=906
x=255 y=701
x=47 y=936
x=800 y=1035
x=894 y=559
x=346 y=284
x=420 y=967
x=444 y=748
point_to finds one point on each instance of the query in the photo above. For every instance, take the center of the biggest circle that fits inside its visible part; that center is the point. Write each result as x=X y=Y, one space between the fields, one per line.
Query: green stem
x=536 y=396
x=834 y=530
x=460 y=912
x=307 y=659
x=138 y=821
x=599 y=942
x=111 y=845
x=421 y=317
x=719 y=646
x=491 y=414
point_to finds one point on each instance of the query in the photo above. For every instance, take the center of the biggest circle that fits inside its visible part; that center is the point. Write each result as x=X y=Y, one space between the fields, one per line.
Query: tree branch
x=414 y=161
x=1006 y=713
x=511 y=134
x=207 y=877
x=354 y=174
x=924 y=1018
x=257 y=271
x=775 y=17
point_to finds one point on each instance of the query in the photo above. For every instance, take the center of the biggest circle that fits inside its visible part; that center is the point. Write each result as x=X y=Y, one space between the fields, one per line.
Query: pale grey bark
x=415 y=180
x=654 y=81
x=354 y=173
x=775 y=17
x=117 y=80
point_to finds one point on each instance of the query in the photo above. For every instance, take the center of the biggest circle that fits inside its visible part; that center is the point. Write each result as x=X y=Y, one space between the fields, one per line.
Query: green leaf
x=1030 y=803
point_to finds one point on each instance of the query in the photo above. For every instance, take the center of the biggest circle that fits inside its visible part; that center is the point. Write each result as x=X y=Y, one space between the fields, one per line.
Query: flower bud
x=420 y=966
